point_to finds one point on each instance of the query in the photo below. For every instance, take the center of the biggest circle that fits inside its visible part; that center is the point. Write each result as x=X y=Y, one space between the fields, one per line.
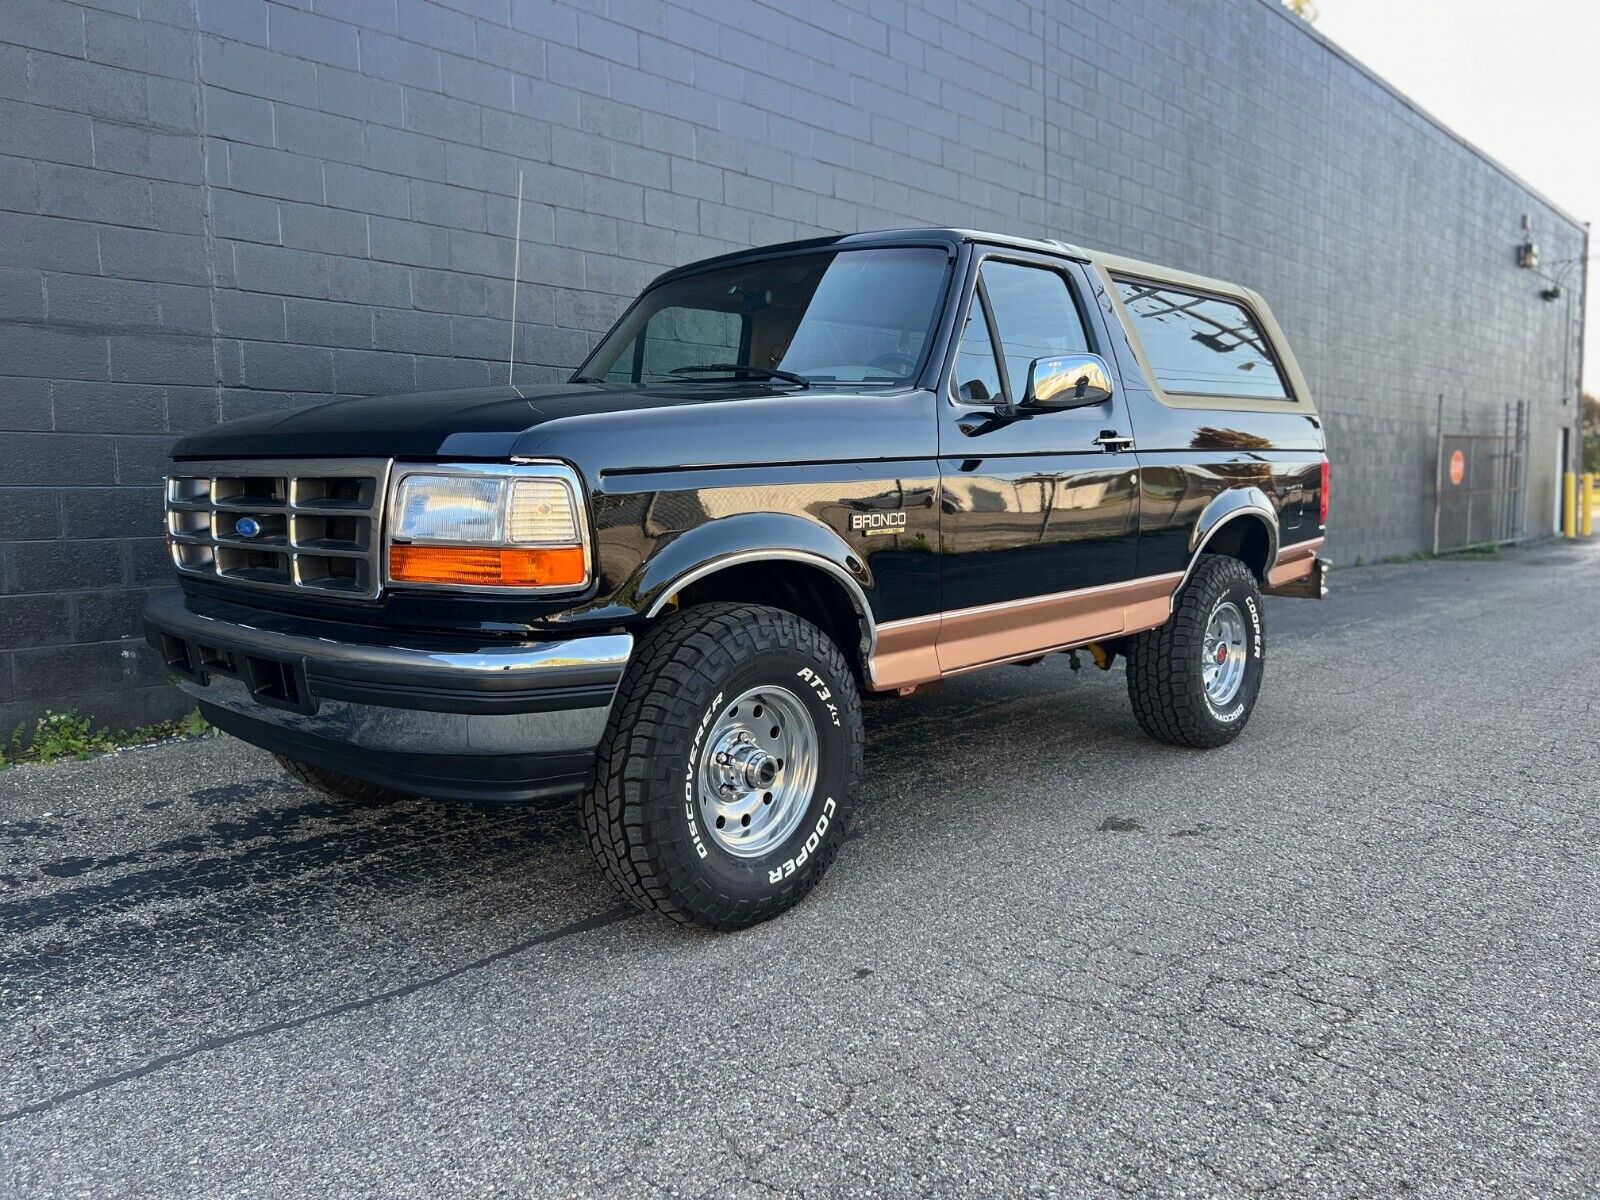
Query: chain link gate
x=1481 y=484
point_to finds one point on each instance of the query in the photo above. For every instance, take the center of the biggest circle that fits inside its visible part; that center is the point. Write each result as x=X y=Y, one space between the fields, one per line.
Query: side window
x=977 y=370
x=1034 y=316
x=1200 y=345
x=680 y=337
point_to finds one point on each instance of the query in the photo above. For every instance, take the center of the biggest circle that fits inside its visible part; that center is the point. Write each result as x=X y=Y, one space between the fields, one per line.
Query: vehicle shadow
x=264 y=851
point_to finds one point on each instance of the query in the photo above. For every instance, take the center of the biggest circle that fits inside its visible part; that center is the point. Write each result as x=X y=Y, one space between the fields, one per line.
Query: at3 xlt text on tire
x=1166 y=665
x=642 y=815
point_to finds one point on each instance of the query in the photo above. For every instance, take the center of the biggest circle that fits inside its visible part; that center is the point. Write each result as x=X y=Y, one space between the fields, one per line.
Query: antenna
x=516 y=273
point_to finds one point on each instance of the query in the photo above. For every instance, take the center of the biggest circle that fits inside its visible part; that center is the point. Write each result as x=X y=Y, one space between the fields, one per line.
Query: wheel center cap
x=755 y=765
x=1222 y=652
x=741 y=765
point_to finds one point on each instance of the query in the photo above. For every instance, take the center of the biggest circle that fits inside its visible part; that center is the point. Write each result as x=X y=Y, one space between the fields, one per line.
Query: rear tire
x=1194 y=681
x=714 y=698
x=331 y=783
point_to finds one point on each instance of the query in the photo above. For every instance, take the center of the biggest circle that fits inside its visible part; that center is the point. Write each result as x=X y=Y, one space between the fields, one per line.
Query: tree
x=1591 y=433
x=1306 y=10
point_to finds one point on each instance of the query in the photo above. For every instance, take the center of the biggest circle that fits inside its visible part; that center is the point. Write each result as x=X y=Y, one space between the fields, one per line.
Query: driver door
x=1039 y=519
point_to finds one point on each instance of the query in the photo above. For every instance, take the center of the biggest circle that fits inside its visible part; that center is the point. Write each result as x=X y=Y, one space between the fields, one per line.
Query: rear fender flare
x=1244 y=503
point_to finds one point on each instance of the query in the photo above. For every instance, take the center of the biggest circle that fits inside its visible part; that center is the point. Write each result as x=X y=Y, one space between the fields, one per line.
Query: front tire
x=726 y=777
x=1194 y=681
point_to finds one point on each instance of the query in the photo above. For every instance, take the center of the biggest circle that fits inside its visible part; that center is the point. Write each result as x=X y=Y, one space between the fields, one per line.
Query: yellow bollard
x=1569 y=504
x=1586 y=505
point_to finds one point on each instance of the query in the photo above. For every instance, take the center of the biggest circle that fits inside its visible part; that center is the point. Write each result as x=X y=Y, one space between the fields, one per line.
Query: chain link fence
x=1481 y=491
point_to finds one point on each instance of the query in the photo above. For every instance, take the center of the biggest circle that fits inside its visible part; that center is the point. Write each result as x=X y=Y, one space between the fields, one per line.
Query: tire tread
x=1164 y=663
x=649 y=722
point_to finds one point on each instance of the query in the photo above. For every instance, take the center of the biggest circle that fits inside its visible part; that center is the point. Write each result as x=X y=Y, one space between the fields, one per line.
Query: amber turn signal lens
x=509 y=566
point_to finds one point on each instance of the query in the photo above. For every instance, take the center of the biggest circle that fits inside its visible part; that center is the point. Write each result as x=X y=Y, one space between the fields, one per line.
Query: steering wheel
x=886 y=361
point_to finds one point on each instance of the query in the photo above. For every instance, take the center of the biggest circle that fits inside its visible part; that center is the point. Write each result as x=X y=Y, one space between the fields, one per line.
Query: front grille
x=309 y=525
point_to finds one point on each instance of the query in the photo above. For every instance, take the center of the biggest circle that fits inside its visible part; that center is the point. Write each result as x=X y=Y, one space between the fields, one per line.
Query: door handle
x=1111 y=441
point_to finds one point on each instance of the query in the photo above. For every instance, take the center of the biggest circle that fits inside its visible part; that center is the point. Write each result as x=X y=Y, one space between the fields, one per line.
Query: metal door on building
x=1482 y=483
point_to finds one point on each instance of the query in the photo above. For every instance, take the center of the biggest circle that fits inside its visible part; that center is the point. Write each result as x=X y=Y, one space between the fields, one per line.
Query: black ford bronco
x=785 y=478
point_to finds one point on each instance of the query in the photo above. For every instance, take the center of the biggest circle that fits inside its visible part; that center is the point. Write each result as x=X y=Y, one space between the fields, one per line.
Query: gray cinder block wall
x=211 y=208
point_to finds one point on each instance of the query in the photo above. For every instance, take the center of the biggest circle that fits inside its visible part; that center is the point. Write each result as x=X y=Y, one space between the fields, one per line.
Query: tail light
x=1322 y=505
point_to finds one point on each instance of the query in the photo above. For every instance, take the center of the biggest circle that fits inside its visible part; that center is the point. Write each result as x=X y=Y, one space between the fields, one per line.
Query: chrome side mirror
x=1068 y=381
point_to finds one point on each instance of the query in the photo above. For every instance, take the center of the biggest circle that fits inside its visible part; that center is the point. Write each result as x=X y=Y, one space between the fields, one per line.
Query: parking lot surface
x=1356 y=953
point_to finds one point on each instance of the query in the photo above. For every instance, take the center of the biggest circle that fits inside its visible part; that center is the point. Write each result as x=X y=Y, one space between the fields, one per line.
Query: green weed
x=61 y=735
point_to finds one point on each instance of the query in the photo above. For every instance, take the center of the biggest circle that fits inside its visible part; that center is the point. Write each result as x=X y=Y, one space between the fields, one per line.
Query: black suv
x=787 y=477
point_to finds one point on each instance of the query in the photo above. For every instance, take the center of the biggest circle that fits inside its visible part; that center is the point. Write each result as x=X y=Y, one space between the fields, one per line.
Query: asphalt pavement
x=1356 y=953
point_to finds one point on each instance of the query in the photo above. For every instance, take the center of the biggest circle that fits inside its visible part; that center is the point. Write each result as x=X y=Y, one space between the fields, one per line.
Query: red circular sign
x=1458 y=467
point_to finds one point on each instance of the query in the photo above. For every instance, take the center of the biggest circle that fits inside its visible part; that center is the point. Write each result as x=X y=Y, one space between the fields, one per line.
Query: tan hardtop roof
x=1116 y=265
x=1108 y=265
x=1113 y=263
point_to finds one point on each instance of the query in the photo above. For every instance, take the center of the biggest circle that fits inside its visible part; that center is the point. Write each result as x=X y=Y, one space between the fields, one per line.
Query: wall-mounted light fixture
x=1528 y=252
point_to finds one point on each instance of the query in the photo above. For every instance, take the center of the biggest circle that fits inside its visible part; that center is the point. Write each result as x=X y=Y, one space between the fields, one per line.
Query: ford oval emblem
x=247 y=527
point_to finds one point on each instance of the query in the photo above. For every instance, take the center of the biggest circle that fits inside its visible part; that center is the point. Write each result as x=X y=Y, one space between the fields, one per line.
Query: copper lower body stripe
x=1294 y=562
x=923 y=649
x=906 y=653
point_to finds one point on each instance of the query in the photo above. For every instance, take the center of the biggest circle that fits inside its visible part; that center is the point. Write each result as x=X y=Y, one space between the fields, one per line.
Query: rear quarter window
x=1199 y=345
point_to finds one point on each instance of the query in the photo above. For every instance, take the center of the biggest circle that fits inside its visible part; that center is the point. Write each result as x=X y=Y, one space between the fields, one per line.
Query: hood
x=484 y=423
x=599 y=428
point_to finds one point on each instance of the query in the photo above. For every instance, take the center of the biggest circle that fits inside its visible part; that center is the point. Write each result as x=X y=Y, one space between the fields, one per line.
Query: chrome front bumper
x=442 y=715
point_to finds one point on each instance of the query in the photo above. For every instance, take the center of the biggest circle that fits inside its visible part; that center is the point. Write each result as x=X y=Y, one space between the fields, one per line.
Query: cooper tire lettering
x=1166 y=665
x=651 y=767
x=813 y=840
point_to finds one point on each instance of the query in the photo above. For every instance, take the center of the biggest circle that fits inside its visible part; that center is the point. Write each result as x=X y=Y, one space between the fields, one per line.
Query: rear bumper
x=451 y=716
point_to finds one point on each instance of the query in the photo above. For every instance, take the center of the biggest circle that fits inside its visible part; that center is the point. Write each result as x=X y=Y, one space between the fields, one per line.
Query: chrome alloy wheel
x=758 y=771
x=1224 y=654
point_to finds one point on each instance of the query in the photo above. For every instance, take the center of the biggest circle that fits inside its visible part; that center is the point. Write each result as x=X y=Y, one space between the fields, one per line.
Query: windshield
x=848 y=316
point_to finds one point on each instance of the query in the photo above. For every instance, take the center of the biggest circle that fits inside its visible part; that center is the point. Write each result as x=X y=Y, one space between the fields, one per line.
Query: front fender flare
x=748 y=537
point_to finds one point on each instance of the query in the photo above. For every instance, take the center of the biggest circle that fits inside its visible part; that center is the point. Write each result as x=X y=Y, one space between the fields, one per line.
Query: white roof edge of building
x=1333 y=47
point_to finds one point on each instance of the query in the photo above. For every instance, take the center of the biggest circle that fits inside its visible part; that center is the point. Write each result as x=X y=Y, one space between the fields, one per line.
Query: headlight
x=516 y=529
x=444 y=508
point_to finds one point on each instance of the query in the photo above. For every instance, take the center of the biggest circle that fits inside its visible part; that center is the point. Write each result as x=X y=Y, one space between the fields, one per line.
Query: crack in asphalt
x=610 y=916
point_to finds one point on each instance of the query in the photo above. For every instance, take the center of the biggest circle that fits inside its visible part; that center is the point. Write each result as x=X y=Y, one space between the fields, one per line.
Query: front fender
x=745 y=537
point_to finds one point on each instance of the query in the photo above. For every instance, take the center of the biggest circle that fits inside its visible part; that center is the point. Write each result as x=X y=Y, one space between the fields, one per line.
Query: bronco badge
x=873 y=524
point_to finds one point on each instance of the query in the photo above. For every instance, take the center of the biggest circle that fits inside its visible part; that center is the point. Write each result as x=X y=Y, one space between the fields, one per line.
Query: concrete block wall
x=211 y=208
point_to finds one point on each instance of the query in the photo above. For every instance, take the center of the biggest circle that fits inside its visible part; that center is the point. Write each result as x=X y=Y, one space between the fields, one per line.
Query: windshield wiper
x=743 y=369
